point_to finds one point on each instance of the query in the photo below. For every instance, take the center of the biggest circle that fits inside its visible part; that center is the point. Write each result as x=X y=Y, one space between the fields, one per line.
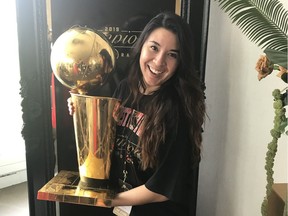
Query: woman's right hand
x=71 y=106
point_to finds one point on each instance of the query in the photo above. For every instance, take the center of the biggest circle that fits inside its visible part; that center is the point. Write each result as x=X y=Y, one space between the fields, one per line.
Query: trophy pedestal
x=65 y=187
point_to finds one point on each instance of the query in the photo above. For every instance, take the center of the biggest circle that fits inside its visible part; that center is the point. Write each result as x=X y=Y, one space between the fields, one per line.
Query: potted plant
x=265 y=22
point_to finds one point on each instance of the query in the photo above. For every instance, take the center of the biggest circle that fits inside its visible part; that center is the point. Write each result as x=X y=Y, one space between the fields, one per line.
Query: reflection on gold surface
x=82 y=58
x=64 y=188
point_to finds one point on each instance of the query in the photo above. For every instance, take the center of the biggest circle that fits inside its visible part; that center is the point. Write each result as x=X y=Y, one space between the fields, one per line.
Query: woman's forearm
x=137 y=196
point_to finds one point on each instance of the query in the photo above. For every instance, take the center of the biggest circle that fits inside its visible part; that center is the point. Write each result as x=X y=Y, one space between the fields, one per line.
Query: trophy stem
x=95 y=120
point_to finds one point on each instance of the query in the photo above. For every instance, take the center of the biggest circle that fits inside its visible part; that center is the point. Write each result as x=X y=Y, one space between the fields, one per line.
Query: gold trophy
x=82 y=59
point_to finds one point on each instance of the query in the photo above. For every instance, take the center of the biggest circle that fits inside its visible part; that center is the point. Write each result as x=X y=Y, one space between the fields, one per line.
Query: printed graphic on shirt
x=128 y=132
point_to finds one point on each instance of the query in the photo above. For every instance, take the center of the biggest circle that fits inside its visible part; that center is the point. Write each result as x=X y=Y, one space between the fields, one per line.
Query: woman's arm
x=137 y=196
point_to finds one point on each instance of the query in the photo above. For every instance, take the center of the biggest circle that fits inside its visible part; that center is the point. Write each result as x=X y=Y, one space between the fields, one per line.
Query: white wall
x=232 y=176
x=12 y=146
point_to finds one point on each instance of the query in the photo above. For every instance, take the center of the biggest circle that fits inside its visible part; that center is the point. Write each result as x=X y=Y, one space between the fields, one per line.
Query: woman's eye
x=173 y=55
x=154 y=48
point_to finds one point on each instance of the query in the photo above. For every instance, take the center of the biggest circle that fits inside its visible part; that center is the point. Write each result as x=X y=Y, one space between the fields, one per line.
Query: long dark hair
x=181 y=97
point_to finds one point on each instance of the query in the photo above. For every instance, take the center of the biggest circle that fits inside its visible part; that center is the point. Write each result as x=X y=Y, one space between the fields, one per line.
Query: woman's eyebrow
x=154 y=42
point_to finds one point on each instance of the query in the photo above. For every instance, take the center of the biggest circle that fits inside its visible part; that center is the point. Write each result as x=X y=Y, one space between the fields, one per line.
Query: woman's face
x=159 y=58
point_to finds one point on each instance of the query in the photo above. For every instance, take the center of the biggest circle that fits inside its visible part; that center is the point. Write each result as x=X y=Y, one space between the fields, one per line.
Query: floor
x=14 y=200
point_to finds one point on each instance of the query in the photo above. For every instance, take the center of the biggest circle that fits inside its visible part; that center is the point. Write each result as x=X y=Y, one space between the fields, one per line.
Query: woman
x=159 y=133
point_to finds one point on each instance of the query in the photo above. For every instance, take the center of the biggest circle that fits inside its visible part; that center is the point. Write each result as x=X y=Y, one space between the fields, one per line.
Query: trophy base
x=65 y=187
x=87 y=183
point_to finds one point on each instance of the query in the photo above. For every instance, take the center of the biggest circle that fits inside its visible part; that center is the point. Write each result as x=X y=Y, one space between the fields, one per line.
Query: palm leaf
x=264 y=22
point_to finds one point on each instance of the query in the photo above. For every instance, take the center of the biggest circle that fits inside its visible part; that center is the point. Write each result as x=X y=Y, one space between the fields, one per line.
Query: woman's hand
x=71 y=106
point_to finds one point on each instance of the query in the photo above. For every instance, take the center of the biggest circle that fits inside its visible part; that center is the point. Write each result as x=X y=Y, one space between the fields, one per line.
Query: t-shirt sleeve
x=172 y=174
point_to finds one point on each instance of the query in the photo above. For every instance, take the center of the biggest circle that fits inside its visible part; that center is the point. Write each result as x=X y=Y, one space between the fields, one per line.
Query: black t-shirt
x=171 y=176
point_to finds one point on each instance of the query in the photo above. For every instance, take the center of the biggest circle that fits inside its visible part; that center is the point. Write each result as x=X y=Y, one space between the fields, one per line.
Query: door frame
x=35 y=76
x=35 y=72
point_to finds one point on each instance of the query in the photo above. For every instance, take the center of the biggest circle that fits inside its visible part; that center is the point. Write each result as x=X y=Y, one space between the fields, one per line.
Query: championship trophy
x=83 y=59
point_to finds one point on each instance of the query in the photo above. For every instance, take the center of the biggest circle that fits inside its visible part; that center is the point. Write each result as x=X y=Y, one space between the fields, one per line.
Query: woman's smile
x=155 y=71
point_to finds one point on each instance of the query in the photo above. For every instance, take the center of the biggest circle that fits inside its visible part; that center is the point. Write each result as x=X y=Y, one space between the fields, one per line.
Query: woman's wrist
x=111 y=202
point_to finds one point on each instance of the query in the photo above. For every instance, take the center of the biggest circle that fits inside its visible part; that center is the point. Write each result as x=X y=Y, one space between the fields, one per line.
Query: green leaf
x=264 y=22
x=277 y=57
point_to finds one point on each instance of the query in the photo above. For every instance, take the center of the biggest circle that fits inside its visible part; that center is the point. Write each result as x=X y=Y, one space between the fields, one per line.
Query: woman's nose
x=160 y=59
